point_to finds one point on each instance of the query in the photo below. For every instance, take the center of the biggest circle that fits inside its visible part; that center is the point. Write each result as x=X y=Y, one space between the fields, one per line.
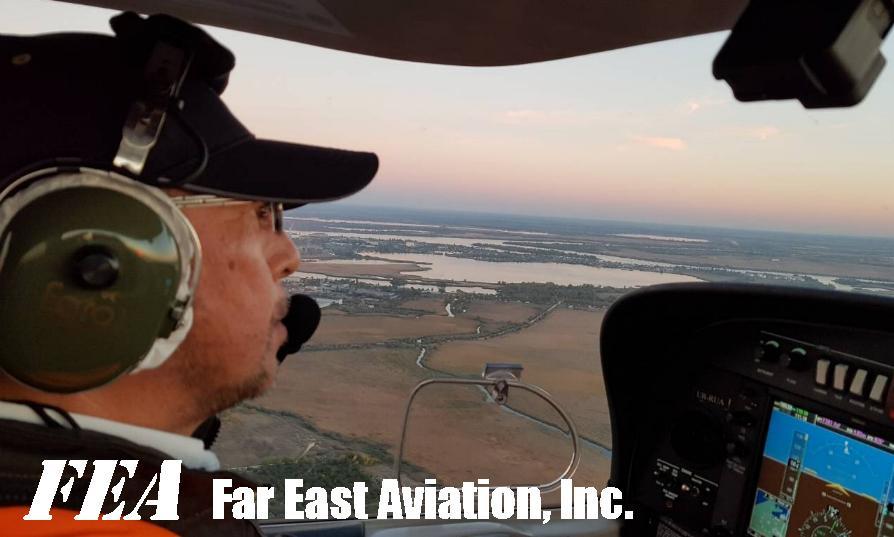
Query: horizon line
x=841 y=235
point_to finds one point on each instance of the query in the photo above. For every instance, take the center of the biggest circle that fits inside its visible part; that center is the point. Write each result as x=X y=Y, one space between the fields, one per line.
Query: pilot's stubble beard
x=210 y=389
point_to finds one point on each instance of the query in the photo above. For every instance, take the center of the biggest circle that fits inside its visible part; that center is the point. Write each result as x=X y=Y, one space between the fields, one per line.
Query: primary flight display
x=820 y=478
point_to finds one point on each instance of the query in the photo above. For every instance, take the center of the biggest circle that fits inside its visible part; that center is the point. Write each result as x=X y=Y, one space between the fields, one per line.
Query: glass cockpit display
x=820 y=478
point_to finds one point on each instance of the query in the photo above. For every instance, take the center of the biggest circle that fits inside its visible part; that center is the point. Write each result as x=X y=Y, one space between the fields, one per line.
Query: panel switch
x=877 y=393
x=858 y=384
x=839 y=376
x=822 y=372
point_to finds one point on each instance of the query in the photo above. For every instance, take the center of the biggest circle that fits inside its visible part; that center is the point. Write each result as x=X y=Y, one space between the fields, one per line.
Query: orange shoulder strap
x=64 y=525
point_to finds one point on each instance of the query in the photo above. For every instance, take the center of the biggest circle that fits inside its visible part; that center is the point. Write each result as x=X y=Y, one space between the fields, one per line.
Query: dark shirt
x=24 y=446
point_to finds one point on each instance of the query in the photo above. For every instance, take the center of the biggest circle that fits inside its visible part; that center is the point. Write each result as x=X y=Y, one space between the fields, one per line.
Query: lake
x=471 y=270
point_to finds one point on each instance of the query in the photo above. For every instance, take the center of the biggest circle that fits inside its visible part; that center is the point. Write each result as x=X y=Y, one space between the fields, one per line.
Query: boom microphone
x=301 y=321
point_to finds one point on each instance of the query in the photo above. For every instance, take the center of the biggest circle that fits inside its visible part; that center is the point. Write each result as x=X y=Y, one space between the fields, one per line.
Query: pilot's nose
x=286 y=258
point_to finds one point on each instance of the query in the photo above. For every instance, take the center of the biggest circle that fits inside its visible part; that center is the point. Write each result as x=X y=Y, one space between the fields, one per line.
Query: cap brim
x=293 y=174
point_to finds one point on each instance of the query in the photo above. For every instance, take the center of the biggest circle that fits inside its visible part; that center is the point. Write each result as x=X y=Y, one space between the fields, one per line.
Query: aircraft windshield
x=512 y=207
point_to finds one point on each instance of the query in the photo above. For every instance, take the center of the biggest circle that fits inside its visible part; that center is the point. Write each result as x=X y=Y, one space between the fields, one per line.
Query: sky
x=640 y=134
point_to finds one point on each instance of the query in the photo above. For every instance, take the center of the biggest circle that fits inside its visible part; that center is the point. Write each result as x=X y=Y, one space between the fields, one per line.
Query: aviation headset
x=97 y=270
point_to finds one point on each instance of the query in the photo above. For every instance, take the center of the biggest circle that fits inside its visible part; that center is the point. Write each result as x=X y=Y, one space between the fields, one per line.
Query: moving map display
x=820 y=478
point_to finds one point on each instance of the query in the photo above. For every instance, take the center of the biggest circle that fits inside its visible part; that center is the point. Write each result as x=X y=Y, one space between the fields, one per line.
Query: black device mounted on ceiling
x=824 y=53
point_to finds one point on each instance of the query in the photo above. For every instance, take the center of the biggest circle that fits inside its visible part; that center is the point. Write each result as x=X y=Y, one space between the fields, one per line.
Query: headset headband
x=164 y=75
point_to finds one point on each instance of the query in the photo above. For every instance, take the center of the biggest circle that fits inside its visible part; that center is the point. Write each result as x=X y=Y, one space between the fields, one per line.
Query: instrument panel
x=748 y=410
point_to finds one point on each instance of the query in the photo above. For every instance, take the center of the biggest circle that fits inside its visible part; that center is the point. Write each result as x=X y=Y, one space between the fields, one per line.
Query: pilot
x=142 y=255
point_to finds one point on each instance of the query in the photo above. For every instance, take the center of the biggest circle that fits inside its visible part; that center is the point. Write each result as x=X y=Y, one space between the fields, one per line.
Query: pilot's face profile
x=230 y=353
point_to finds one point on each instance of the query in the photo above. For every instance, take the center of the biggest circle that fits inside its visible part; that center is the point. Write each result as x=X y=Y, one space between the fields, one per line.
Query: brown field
x=249 y=437
x=355 y=392
x=429 y=304
x=343 y=329
x=505 y=312
x=356 y=397
x=361 y=394
x=560 y=354
x=358 y=270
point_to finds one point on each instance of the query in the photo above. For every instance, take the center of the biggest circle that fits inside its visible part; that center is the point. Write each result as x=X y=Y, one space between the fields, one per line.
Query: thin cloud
x=694 y=105
x=672 y=144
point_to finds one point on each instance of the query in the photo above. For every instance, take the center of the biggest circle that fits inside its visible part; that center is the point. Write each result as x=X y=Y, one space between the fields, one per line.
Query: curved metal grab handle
x=543 y=394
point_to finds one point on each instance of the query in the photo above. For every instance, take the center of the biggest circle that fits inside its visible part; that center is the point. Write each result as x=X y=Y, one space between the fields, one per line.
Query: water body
x=658 y=237
x=338 y=221
x=367 y=230
x=461 y=269
x=608 y=258
x=510 y=231
x=825 y=280
x=326 y=302
x=450 y=241
x=864 y=286
x=352 y=262
x=404 y=224
x=830 y=280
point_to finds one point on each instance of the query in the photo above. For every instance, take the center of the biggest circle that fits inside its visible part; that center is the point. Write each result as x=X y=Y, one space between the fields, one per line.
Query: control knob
x=797 y=359
x=769 y=351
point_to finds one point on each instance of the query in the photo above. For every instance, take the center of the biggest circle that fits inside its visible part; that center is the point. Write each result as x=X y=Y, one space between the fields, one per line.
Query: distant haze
x=641 y=134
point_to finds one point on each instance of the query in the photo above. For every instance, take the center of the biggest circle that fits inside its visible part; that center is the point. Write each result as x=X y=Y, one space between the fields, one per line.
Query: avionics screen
x=820 y=478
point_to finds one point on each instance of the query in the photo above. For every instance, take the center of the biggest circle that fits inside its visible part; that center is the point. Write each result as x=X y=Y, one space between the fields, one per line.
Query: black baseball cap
x=64 y=100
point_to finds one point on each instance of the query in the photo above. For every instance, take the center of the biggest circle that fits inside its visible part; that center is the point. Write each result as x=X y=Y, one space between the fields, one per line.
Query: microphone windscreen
x=301 y=321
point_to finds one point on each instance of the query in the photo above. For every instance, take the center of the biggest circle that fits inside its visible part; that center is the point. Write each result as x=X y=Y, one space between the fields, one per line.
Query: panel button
x=822 y=372
x=877 y=393
x=858 y=384
x=839 y=376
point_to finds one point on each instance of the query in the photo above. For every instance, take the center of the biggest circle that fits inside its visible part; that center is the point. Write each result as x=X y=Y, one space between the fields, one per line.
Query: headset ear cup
x=91 y=273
